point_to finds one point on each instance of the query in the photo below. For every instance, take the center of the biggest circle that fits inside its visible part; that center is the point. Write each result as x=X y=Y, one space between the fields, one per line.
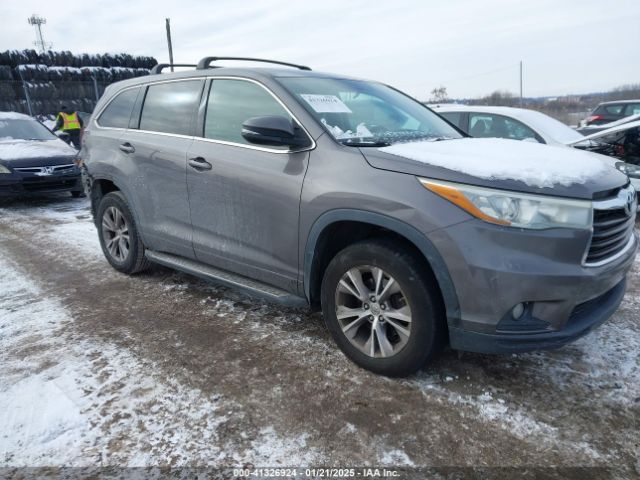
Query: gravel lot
x=97 y=368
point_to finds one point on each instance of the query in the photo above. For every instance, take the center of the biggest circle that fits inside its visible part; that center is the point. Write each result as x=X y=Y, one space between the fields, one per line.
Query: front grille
x=47 y=170
x=613 y=222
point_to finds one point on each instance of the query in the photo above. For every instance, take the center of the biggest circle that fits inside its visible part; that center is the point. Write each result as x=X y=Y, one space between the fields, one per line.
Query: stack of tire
x=55 y=78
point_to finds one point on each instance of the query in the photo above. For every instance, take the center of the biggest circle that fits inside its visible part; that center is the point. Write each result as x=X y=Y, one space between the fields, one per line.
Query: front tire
x=119 y=238
x=383 y=308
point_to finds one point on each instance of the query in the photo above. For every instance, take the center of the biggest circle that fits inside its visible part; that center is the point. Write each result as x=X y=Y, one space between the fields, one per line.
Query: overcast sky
x=470 y=47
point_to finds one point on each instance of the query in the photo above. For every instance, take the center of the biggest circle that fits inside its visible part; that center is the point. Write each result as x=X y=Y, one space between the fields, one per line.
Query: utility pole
x=169 y=43
x=521 y=99
x=37 y=21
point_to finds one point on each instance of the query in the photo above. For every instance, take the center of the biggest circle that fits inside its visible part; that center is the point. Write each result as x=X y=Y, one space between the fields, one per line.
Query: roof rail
x=205 y=63
x=161 y=66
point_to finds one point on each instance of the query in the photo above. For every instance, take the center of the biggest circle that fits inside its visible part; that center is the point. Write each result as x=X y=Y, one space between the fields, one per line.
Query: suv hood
x=505 y=164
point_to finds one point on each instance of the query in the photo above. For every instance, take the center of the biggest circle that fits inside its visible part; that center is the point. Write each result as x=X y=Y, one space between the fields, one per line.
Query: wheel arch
x=100 y=186
x=315 y=260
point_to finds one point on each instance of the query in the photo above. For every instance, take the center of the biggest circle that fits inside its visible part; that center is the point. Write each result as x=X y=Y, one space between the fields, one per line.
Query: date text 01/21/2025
x=316 y=473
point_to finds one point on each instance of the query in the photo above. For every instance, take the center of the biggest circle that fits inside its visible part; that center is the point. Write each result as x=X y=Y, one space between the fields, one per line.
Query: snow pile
x=60 y=396
x=361 y=131
x=497 y=159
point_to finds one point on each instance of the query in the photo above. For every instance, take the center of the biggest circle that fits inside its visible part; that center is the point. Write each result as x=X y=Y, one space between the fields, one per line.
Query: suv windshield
x=361 y=113
x=19 y=129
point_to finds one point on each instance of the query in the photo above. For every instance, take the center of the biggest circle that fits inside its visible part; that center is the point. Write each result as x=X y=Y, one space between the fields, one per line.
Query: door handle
x=127 y=148
x=200 y=164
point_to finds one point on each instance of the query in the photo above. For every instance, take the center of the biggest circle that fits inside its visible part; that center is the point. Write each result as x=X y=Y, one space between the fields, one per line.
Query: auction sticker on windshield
x=325 y=103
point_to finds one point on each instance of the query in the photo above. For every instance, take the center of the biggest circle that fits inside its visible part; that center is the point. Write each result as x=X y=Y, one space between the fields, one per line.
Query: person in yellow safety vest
x=69 y=122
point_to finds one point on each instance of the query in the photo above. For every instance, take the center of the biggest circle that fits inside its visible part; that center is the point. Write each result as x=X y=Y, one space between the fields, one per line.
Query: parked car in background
x=508 y=122
x=621 y=142
x=608 y=112
x=588 y=130
x=33 y=160
x=347 y=195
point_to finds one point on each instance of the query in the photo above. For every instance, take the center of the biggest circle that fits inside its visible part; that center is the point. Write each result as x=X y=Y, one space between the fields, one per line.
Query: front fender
x=403 y=229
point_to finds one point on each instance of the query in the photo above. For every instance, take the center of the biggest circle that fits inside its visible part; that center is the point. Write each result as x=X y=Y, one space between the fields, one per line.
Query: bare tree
x=439 y=95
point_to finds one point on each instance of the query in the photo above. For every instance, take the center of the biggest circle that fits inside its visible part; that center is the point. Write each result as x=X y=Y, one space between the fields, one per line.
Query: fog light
x=517 y=311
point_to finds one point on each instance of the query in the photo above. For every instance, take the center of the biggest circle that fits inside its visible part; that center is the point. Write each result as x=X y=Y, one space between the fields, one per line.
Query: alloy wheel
x=373 y=311
x=115 y=232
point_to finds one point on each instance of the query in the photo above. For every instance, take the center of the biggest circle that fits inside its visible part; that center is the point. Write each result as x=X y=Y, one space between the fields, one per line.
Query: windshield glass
x=363 y=113
x=19 y=129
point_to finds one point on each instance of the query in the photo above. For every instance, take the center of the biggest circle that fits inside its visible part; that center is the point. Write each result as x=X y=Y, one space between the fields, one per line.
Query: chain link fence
x=40 y=90
x=45 y=98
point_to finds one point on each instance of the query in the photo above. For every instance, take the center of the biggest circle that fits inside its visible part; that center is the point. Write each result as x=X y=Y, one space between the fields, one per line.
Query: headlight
x=4 y=169
x=629 y=169
x=512 y=209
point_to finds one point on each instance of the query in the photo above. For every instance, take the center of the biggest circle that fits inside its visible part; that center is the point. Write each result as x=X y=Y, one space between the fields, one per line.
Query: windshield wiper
x=363 y=143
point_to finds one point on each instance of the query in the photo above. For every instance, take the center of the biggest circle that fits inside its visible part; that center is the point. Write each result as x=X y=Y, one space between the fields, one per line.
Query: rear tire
x=397 y=324
x=119 y=238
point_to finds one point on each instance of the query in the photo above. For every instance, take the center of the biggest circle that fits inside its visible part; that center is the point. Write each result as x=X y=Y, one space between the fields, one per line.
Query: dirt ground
x=98 y=368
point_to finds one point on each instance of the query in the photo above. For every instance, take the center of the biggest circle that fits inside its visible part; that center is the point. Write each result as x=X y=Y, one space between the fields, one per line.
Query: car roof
x=509 y=111
x=256 y=73
x=611 y=102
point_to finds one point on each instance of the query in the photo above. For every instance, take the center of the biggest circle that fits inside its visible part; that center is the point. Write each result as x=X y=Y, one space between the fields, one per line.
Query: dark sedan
x=33 y=160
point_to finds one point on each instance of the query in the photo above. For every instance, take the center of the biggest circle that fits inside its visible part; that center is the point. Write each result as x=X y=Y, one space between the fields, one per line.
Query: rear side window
x=170 y=107
x=614 y=109
x=632 y=109
x=488 y=125
x=118 y=112
x=231 y=103
x=453 y=117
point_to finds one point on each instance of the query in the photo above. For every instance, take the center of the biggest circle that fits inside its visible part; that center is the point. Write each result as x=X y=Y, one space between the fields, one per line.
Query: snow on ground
x=279 y=393
x=65 y=401
x=499 y=159
x=71 y=223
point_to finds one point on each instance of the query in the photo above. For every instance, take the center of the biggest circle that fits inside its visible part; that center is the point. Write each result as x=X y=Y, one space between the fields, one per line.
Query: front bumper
x=21 y=184
x=495 y=269
x=584 y=318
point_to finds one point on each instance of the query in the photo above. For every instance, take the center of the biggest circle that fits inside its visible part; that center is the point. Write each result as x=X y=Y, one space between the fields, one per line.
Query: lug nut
x=383 y=306
x=373 y=299
x=366 y=306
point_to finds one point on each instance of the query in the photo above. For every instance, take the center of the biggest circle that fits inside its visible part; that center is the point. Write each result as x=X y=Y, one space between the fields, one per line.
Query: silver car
x=530 y=125
x=347 y=195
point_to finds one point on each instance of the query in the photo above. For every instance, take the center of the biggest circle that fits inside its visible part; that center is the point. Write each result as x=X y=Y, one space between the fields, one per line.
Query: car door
x=101 y=144
x=157 y=162
x=244 y=198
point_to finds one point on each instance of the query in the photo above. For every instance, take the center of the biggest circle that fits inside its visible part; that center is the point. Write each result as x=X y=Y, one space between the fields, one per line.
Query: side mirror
x=274 y=130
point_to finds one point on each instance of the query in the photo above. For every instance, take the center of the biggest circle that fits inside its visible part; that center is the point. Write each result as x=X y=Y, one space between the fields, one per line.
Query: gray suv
x=347 y=195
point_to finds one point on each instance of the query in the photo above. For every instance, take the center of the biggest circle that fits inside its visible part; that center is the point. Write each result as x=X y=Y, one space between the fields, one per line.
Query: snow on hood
x=19 y=149
x=14 y=116
x=535 y=164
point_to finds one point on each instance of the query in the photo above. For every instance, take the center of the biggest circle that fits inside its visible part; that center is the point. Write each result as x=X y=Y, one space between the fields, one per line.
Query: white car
x=529 y=125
